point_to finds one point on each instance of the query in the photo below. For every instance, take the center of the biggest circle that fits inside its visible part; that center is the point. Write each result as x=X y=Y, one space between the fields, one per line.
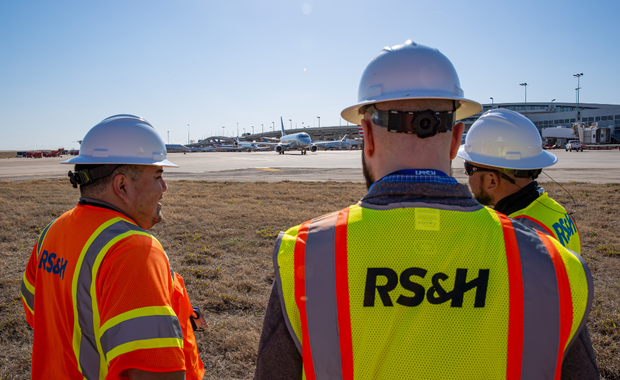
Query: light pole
x=262 y=128
x=252 y=129
x=273 y=125
x=223 y=130
x=291 y=120
x=243 y=131
x=491 y=102
x=168 y=137
x=318 y=117
x=237 y=129
x=524 y=104
x=578 y=76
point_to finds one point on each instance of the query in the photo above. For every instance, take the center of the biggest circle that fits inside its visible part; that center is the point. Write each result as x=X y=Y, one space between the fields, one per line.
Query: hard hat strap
x=86 y=176
x=423 y=123
x=520 y=173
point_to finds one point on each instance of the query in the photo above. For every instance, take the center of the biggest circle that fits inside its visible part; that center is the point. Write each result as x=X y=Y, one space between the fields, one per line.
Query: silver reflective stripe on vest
x=28 y=296
x=541 y=306
x=532 y=224
x=321 y=304
x=89 y=355
x=141 y=328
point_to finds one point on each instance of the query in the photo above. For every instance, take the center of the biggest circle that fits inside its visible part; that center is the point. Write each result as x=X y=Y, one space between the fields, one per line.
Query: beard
x=483 y=197
x=367 y=176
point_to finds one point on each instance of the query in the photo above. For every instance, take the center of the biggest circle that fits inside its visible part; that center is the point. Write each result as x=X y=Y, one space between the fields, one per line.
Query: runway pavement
x=588 y=166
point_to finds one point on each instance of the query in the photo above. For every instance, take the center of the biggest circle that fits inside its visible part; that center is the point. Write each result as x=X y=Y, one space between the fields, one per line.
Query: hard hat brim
x=468 y=107
x=542 y=160
x=118 y=160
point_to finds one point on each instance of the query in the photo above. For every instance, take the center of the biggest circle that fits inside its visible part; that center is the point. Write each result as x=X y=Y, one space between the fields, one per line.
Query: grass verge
x=219 y=237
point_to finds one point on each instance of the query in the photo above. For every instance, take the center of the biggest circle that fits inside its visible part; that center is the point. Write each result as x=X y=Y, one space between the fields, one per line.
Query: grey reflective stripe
x=541 y=306
x=321 y=303
x=89 y=355
x=42 y=237
x=28 y=297
x=532 y=224
x=277 y=282
x=141 y=328
x=586 y=313
x=437 y=206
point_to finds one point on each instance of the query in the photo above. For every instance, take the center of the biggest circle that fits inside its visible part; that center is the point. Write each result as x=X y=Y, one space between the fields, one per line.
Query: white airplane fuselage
x=296 y=141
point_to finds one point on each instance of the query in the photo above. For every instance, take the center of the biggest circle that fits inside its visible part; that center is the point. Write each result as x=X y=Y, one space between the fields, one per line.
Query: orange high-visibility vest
x=426 y=291
x=101 y=297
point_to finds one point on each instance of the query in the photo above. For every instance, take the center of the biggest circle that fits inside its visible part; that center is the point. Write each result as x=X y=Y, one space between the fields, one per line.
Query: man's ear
x=119 y=184
x=455 y=143
x=491 y=181
x=369 y=140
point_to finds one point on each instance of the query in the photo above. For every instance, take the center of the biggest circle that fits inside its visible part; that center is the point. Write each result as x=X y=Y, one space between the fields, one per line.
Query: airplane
x=228 y=148
x=296 y=141
x=248 y=145
x=338 y=144
x=264 y=139
x=177 y=148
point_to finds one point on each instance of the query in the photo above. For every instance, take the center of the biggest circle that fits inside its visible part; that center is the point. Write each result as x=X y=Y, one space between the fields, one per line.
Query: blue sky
x=66 y=65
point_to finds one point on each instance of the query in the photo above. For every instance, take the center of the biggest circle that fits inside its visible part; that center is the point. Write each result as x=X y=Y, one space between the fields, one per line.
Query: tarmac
x=596 y=166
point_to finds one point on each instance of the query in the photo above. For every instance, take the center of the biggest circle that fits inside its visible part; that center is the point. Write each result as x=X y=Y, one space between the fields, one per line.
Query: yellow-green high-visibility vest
x=548 y=216
x=428 y=291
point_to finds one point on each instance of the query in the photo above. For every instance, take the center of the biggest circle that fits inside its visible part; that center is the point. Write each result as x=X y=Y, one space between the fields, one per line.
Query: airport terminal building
x=543 y=115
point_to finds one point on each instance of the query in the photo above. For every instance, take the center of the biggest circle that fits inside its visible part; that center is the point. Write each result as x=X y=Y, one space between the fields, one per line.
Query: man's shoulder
x=319 y=219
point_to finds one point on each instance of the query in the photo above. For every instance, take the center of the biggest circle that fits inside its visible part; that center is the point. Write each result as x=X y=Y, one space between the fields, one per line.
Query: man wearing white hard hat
x=418 y=280
x=503 y=157
x=98 y=290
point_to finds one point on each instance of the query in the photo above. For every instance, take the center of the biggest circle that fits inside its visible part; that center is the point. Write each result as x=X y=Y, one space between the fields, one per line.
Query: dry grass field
x=7 y=153
x=219 y=237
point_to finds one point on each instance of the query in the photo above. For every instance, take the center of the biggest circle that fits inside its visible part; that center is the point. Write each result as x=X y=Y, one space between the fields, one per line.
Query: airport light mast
x=318 y=117
x=578 y=76
x=524 y=104
x=491 y=102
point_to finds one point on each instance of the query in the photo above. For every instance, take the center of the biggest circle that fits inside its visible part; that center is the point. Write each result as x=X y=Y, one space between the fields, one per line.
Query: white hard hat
x=410 y=71
x=505 y=139
x=122 y=139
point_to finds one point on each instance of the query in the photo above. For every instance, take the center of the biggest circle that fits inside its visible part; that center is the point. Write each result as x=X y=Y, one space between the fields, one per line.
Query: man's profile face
x=144 y=193
x=476 y=183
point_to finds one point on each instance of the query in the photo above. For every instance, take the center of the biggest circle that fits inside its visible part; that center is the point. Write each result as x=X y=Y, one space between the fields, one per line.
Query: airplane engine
x=279 y=148
x=313 y=148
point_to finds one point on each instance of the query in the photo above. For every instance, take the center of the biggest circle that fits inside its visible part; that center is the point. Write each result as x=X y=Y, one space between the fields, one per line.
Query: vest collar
x=385 y=192
x=519 y=200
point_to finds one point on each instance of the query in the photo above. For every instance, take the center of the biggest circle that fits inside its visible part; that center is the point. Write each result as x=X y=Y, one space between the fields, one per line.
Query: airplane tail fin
x=282 y=124
x=344 y=137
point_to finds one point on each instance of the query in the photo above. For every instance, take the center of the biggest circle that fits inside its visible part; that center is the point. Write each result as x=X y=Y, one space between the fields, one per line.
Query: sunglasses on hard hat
x=471 y=169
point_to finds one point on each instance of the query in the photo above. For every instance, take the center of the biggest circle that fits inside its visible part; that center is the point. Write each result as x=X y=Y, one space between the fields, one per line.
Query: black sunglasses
x=471 y=169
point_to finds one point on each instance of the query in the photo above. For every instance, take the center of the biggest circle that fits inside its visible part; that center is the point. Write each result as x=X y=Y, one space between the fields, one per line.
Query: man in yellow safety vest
x=419 y=280
x=503 y=157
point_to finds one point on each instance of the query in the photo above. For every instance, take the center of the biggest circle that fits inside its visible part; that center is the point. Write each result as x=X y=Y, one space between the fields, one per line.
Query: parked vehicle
x=574 y=145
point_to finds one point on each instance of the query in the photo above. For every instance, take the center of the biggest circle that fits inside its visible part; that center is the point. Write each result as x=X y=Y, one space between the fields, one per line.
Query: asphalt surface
x=602 y=166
